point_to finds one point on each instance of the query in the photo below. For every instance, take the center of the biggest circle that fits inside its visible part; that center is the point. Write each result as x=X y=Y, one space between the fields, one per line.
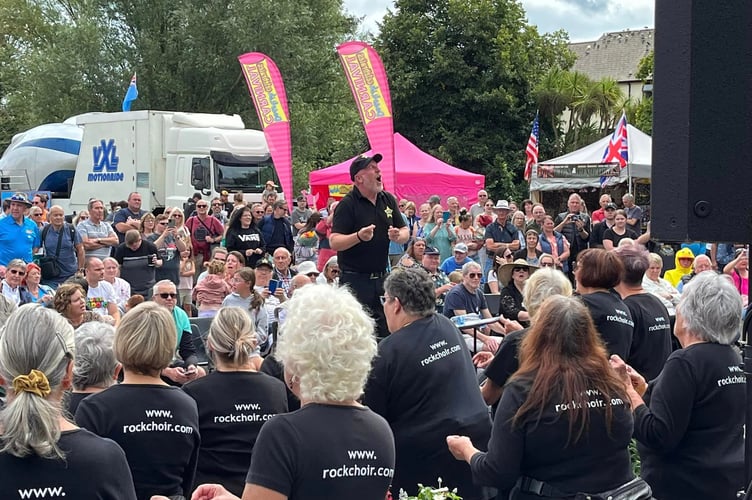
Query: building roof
x=616 y=55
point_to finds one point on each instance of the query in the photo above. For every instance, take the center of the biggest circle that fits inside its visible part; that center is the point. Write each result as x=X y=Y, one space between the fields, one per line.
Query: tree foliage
x=461 y=74
x=591 y=107
x=59 y=58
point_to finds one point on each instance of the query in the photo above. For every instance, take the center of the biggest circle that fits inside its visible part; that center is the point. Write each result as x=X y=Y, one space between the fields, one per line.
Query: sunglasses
x=216 y=204
x=547 y=264
x=258 y=212
x=515 y=269
x=16 y=271
x=402 y=206
x=177 y=216
x=168 y=295
x=313 y=275
x=36 y=215
x=334 y=271
x=474 y=275
x=162 y=223
x=202 y=206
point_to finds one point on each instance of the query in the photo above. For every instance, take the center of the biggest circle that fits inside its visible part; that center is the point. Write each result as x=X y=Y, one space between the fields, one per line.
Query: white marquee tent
x=582 y=168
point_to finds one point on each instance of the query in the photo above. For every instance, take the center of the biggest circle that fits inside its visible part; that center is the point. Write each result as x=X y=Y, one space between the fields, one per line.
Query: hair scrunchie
x=35 y=382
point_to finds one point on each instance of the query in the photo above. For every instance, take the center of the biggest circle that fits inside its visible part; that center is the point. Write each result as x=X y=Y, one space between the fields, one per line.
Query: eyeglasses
x=384 y=299
x=177 y=216
x=515 y=269
x=16 y=271
x=474 y=275
x=168 y=295
x=547 y=264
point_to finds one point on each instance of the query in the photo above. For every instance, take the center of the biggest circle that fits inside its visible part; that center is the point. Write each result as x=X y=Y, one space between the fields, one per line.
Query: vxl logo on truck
x=105 y=162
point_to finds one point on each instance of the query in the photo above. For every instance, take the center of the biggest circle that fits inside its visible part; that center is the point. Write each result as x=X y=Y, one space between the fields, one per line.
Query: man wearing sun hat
x=365 y=221
x=500 y=234
x=19 y=236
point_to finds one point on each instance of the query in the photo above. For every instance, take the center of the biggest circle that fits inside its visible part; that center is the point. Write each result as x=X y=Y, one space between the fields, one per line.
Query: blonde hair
x=328 y=342
x=146 y=339
x=232 y=335
x=216 y=267
x=34 y=338
x=544 y=283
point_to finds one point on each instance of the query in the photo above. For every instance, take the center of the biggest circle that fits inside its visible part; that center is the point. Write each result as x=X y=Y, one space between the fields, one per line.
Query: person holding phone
x=440 y=233
x=169 y=246
x=138 y=260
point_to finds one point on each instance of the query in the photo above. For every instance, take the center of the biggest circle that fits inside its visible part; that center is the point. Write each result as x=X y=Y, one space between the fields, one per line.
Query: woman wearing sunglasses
x=501 y=257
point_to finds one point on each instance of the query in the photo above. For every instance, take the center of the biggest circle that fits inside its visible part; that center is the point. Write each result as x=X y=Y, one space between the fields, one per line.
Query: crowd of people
x=345 y=347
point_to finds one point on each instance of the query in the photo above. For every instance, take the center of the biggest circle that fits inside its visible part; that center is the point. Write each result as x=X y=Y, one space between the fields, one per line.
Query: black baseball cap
x=361 y=163
x=431 y=251
x=610 y=206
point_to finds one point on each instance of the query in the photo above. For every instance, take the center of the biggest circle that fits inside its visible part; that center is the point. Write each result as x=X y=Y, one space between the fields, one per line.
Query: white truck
x=164 y=155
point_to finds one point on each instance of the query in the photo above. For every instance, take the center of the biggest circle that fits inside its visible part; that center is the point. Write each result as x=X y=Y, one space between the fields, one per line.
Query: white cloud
x=582 y=19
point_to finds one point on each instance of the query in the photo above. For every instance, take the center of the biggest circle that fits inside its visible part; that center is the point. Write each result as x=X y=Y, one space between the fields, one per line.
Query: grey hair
x=232 y=335
x=93 y=201
x=328 y=342
x=636 y=262
x=711 y=308
x=469 y=266
x=34 y=338
x=155 y=288
x=95 y=358
x=654 y=258
x=628 y=196
x=542 y=284
x=414 y=289
x=16 y=263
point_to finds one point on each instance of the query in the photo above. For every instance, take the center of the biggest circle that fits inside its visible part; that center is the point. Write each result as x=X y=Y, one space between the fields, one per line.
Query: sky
x=584 y=20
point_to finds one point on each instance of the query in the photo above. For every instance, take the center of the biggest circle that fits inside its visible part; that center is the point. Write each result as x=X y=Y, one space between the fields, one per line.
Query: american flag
x=617 y=150
x=531 y=152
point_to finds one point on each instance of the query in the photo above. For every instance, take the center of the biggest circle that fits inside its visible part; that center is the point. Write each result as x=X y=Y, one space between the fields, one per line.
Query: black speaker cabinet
x=701 y=186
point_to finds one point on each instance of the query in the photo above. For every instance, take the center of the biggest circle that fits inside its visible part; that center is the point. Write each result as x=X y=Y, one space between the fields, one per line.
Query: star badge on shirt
x=388 y=211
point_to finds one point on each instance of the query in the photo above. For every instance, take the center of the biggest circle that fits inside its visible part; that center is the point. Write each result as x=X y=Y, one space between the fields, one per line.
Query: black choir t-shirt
x=506 y=360
x=598 y=461
x=272 y=367
x=651 y=340
x=157 y=427
x=612 y=320
x=94 y=469
x=136 y=267
x=691 y=433
x=232 y=407
x=73 y=399
x=324 y=452
x=424 y=384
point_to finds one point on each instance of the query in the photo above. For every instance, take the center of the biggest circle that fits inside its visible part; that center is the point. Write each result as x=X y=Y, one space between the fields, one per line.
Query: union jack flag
x=531 y=152
x=617 y=150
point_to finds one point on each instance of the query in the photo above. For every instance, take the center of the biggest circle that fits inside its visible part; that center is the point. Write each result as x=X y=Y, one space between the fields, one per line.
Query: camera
x=576 y=218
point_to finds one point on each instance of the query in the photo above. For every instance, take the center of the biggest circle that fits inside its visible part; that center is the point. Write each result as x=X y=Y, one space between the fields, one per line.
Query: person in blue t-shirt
x=458 y=260
x=19 y=236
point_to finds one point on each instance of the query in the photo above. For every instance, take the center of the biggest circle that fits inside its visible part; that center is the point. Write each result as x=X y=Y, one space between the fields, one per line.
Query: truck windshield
x=248 y=177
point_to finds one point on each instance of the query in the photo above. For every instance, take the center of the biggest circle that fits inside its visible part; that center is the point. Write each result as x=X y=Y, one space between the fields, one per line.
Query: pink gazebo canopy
x=418 y=176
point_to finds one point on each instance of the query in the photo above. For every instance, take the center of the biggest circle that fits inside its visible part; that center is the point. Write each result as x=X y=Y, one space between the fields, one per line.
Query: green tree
x=461 y=74
x=185 y=54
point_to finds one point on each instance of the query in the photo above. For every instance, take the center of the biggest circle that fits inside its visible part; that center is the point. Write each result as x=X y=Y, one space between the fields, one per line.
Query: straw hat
x=505 y=271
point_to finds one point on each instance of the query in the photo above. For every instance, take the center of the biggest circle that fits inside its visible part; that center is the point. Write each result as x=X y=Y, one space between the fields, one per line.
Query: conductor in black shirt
x=365 y=221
